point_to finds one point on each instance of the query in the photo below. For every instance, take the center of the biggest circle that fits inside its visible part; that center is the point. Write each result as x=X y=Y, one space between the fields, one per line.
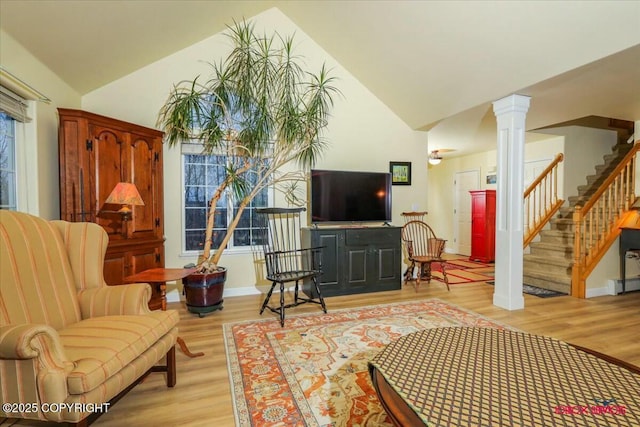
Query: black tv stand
x=356 y=260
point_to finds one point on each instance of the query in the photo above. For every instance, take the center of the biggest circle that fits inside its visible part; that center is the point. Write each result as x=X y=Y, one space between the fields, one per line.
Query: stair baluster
x=541 y=200
x=597 y=222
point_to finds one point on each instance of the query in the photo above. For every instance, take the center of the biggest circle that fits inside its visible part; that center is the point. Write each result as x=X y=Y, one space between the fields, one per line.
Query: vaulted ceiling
x=436 y=64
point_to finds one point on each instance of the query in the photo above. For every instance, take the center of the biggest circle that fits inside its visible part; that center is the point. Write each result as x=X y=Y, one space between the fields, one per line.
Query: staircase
x=549 y=265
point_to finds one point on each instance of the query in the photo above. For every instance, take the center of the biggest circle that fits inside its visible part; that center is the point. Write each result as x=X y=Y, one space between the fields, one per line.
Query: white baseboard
x=245 y=290
x=614 y=287
x=175 y=296
x=598 y=292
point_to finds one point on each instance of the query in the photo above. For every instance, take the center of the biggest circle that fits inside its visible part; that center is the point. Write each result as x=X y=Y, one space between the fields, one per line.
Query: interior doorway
x=533 y=169
x=463 y=182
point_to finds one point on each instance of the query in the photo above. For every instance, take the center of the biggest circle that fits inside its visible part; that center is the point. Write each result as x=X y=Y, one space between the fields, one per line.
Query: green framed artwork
x=400 y=173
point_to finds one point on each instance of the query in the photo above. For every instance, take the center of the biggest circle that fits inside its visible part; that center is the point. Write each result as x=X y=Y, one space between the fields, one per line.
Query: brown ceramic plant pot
x=203 y=291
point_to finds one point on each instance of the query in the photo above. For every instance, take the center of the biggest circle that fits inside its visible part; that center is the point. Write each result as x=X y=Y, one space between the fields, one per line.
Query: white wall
x=585 y=148
x=42 y=160
x=363 y=134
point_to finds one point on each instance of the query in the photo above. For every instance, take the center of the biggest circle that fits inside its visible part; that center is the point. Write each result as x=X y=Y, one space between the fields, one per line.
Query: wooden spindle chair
x=413 y=216
x=423 y=249
x=287 y=261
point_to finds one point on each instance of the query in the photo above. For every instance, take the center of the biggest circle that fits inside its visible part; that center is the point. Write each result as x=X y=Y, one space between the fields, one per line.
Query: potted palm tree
x=261 y=110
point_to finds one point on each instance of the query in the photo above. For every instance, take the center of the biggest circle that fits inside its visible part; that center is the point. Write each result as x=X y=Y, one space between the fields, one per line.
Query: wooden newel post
x=576 y=271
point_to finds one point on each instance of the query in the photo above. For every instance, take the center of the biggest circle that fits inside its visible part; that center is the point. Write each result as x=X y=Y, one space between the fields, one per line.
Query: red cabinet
x=483 y=225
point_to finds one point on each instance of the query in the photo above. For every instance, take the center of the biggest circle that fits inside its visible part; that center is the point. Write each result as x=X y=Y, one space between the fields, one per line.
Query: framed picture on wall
x=400 y=173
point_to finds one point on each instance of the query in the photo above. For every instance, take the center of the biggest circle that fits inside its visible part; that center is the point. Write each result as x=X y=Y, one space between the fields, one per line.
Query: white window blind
x=13 y=105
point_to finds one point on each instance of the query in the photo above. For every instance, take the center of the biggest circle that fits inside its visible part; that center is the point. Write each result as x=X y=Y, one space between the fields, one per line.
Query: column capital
x=512 y=103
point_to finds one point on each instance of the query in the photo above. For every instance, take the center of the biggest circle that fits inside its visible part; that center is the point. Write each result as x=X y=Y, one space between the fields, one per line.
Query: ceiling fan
x=435 y=157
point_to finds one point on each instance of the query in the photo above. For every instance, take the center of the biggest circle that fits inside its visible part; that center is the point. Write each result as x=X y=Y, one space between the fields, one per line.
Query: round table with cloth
x=467 y=376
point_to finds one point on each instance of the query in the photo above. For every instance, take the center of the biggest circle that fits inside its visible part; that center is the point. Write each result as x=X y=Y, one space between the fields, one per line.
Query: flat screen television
x=347 y=196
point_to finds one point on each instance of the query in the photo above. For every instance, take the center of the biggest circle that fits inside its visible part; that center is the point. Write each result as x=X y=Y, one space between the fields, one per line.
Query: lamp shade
x=434 y=158
x=125 y=193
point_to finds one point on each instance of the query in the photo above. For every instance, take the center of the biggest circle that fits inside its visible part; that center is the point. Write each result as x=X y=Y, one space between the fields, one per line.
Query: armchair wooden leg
x=317 y=286
x=281 y=303
x=444 y=276
x=81 y=423
x=408 y=274
x=185 y=349
x=267 y=298
x=171 y=367
x=416 y=284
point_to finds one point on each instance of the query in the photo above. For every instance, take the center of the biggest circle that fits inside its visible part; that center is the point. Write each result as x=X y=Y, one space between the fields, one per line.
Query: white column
x=510 y=114
x=636 y=137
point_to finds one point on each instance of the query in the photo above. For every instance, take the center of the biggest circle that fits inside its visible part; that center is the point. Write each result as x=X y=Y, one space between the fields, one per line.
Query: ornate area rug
x=464 y=271
x=313 y=371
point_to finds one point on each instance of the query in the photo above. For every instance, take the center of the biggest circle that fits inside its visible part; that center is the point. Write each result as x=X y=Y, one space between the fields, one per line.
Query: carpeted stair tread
x=546 y=280
x=553 y=249
x=539 y=261
x=557 y=237
x=562 y=224
x=549 y=272
x=546 y=275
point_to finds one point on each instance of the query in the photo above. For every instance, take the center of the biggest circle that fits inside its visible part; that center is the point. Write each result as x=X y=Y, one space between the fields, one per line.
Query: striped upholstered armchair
x=69 y=342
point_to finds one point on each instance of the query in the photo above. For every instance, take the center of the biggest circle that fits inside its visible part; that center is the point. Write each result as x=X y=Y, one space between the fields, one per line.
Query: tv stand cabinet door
x=374 y=257
x=332 y=243
x=359 y=269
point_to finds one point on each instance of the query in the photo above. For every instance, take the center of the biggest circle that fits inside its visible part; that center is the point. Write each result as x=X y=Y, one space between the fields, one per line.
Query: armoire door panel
x=108 y=157
x=141 y=152
x=75 y=188
x=142 y=260
x=115 y=269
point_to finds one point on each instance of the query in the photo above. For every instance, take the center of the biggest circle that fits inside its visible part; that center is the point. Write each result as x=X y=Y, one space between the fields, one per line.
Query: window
x=8 y=185
x=202 y=176
x=18 y=144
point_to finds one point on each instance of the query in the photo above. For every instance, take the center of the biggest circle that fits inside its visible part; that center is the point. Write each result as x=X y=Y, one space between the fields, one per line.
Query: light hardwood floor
x=609 y=324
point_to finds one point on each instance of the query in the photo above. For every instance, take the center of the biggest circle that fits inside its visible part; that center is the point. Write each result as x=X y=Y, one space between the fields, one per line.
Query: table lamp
x=125 y=194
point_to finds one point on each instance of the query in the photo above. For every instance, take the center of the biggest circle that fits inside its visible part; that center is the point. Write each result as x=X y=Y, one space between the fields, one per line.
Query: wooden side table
x=158 y=278
x=629 y=242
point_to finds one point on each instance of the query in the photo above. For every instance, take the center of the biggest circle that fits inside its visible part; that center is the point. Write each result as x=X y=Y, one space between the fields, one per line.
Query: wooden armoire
x=483 y=225
x=97 y=152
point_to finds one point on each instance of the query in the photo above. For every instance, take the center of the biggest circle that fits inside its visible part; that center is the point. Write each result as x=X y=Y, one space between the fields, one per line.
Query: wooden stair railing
x=596 y=224
x=541 y=200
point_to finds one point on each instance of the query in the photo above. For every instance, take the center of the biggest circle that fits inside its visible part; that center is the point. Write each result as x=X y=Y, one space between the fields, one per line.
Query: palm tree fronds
x=260 y=109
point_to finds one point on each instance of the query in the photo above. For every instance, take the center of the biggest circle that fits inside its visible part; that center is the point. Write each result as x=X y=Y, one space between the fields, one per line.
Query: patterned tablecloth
x=463 y=376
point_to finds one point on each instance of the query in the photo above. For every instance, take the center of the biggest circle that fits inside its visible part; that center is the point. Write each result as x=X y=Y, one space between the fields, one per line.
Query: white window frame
x=231 y=249
x=25 y=152
x=10 y=136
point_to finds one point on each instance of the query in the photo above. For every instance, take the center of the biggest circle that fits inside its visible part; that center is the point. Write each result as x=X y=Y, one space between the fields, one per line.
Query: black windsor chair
x=287 y=261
